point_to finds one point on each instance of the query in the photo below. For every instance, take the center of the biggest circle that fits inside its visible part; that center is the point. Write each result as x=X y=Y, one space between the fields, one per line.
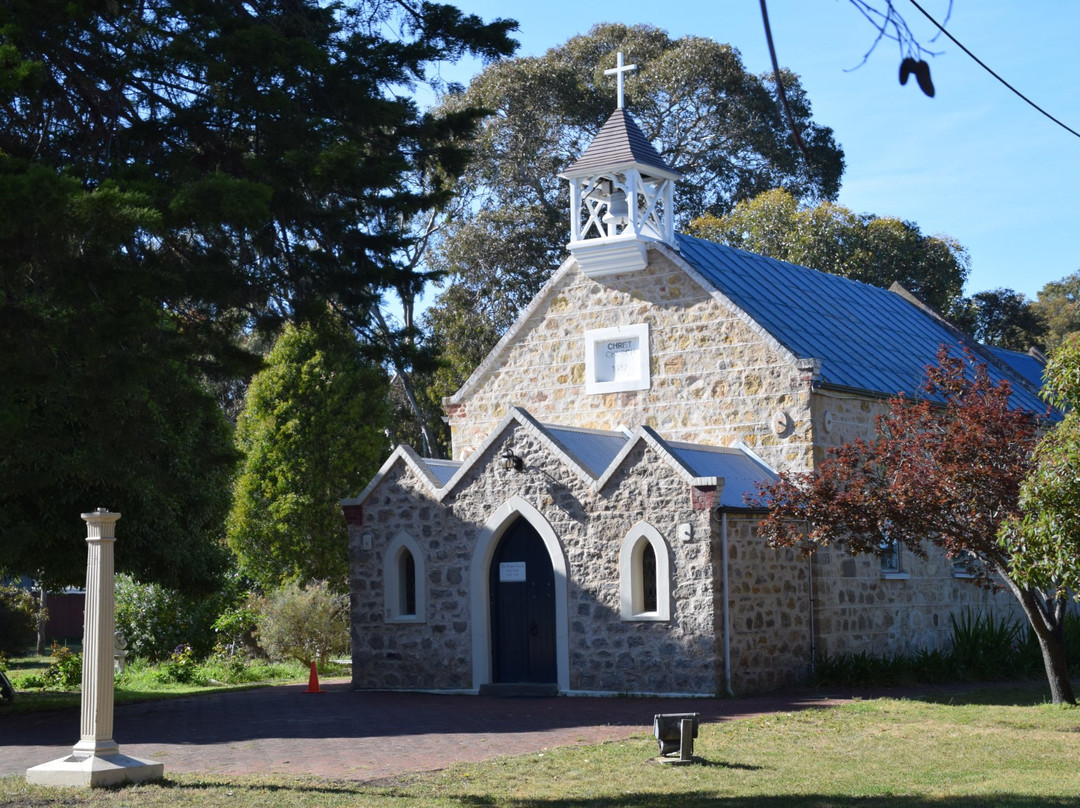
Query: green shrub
x=982 y=649
x=985 y=649
x=32 y=681
x=305 y=624
x=235 y=631
x=141 y=675
x=231 y=669
x=865 y=669
x=236 y=671
x=182 y=668
x=18 y=620
x=932 y=667
x=65 y=669
x=1029 y=655
x=156 y=620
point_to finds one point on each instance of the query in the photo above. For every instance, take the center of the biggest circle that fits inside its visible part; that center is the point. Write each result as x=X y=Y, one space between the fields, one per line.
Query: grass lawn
x=1001 y=749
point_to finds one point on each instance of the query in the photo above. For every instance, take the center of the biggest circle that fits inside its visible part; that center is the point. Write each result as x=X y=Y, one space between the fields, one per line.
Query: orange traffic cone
x=313 y=681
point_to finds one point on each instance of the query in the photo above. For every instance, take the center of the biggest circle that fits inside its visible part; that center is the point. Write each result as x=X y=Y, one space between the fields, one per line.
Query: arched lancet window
x=648 y=577
x=407 y=576
x=403 y=581
x=644 y=575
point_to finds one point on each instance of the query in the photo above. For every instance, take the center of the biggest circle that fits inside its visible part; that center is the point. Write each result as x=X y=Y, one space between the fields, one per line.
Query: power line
x=987 y=68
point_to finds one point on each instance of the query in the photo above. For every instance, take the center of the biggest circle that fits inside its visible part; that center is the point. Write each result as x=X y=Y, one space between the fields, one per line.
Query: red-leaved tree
x=944 y=470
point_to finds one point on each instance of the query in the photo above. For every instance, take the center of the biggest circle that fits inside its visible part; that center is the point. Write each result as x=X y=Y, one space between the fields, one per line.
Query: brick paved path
x=352 y=735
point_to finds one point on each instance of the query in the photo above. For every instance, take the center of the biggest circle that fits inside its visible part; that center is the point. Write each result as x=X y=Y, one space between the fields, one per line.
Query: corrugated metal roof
x=619 y=142
x=442 y=469
x=1025 y=364
x=739 y=470
x=595 y=449
x=865 y=337
x=598 y=455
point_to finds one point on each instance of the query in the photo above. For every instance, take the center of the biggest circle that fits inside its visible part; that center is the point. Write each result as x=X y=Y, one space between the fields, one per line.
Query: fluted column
x=96 y=727
x=96 y=760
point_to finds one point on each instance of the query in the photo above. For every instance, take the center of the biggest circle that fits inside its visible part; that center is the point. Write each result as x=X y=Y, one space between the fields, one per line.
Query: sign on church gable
x=617 y=359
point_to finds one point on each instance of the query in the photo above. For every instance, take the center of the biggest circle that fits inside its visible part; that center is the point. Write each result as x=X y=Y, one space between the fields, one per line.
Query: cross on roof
x=618 y=72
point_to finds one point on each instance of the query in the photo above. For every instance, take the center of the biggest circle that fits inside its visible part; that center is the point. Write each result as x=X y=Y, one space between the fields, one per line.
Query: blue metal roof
x=865 y=337
x=595 y=449
x=1026 y=365
x=442 y=469
x=740 y=471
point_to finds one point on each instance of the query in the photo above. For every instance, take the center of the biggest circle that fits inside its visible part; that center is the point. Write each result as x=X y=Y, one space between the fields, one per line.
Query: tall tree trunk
x=430 y=447
x=42 y=620
x=1057 y=670
x=1047 y=619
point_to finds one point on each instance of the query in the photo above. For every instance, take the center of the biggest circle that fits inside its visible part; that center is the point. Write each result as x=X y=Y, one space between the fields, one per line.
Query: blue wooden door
x=522 y=587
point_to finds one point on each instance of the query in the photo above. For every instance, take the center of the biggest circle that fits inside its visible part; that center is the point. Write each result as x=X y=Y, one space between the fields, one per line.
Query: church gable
x=596 y=458
x=679 y=359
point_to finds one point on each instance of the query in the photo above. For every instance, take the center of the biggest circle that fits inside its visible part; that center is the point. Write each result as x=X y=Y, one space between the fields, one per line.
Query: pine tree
x=313 y=430
x=173 y=177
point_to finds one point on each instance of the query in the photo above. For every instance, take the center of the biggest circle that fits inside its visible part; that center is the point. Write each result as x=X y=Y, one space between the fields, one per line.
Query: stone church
x=591 y=534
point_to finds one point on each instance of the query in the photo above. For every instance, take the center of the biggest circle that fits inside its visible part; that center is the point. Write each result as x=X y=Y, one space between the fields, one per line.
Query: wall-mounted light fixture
x=511 y=460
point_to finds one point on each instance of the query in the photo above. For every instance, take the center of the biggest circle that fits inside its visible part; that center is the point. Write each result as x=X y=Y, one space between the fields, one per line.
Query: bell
x=618 y=212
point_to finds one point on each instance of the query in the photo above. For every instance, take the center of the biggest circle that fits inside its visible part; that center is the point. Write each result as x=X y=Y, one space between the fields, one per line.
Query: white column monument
x=96 y=760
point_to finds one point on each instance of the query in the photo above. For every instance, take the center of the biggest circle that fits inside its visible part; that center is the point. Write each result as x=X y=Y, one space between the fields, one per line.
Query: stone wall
x=606 y=653
x=861 y=609
x=609 y=654
x=769 y=603
x=715 y=378
x=840 y=418
x=387 y=654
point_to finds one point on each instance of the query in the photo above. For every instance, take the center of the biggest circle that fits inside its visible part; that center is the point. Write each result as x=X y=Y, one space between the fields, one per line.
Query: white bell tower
x=621 y=195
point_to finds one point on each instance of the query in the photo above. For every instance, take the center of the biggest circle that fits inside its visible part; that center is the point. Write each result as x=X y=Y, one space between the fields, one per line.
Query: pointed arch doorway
x=521 y=589
x=499 y=525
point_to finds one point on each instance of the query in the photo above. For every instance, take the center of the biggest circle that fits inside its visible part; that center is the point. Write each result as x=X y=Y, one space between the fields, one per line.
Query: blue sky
x=975 y=162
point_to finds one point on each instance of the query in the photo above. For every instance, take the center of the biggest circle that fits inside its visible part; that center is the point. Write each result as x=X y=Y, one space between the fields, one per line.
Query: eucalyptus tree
x=1003 y=318
x=1044 y=539
x=1058 y=308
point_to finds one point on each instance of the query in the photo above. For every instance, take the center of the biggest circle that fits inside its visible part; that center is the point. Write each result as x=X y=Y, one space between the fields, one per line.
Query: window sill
x=404 y=618
x=895 y=576
x=646 y=617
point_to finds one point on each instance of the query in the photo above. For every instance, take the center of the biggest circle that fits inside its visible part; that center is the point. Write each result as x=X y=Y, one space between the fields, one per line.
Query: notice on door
x=511 y=571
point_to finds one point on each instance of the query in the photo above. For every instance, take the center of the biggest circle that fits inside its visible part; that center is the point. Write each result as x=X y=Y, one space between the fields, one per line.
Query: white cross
x=618 y=71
